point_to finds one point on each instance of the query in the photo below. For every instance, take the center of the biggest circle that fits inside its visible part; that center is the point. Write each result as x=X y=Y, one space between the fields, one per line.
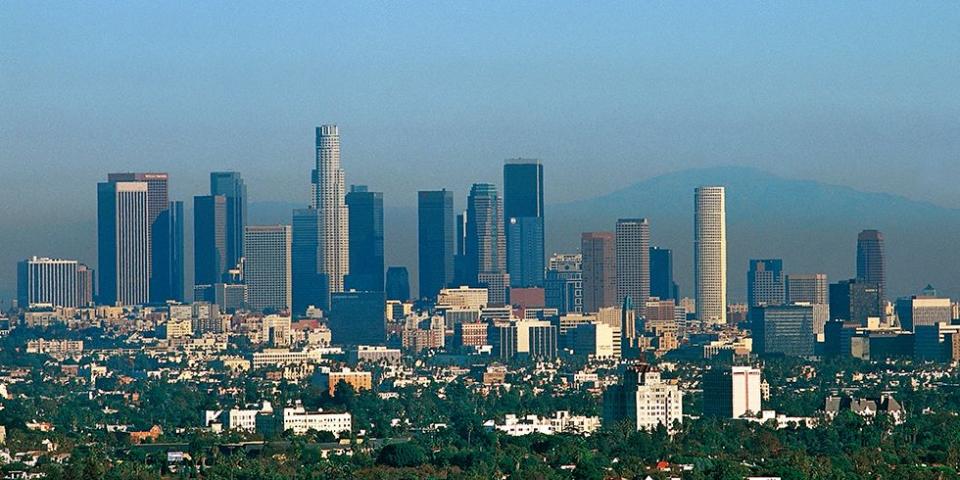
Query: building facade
x=633 y=262
x=123 y=243
x=330 y=189
x=524 y=221
x=435 y=241
x=710 y=254
x=765 y=285
x=267 y=269
x=599 y=270
x=53 y=282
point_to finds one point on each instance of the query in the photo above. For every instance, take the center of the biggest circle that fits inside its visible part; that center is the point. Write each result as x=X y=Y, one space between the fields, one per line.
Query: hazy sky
x=438 y=94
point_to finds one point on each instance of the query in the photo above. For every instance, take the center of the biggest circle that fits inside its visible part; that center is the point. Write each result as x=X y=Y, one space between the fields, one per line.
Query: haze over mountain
x=811 y=225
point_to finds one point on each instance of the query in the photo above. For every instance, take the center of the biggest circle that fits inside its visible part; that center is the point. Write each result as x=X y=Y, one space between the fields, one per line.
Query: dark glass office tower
x=365 y=227
x=765 y=285
x=523 y=221
x=210 y=260
x=435 y=241
x=461 y=268
x=855 y=301
x=358 y=318
x=310 y=287
x=662 y=285
x=231 y=186
x=870 y=259
x=169 y=247
x=485 y=242
x=398 y=284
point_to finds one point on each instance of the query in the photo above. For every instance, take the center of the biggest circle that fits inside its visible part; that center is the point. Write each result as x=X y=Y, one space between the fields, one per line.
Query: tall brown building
x=599 y=270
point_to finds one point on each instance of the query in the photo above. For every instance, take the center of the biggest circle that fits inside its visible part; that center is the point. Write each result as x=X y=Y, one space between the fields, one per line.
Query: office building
x=210 y=261
x=53 y=282
x=783 y=329
x=524 y=223
x=919 y=311
x=765 y=284
x=599 y=270
x=231 y=186
x=463 y=297
x=398 y=284
x=171 y=273
x=330 y=188
x=644 y=400
x=596 y=339
x=358 y=318
x=435 y=241
x=563 y=285
x=497 y=285
x=710 y=254
x=633 y=262
x=123 y=243
x=732 y=392
x=855 y=301
x=267 y=267
x=810 y=288
x=160 y=237
x=366 y=239
x=461 y=261
x=310 y=285
x=870 y=259
x=662 y=285
x=485 y=242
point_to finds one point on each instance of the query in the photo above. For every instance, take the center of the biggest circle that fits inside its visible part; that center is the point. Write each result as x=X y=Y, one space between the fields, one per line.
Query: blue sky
x=433 y=94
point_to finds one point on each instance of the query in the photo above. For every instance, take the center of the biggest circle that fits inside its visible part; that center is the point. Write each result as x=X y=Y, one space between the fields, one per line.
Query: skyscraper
x=435 y=241
x=855 y=301
x=563 y=287
x=210 y=239
x=662 y=285
x=310 y=286
x=802 y=288
x=398 y=284
x=783 y=329
x=172 y=271
x=870 y=259
x=599 y=270
x=231 y=186
x=53 y=282
x=710 y=254
x=334 y=217
x=366 y=239
x=765 y=282
x=160 y=238
x=123 y=242
x=633 y=262
x=523 y=221
x=485 y=243
x=267 y=268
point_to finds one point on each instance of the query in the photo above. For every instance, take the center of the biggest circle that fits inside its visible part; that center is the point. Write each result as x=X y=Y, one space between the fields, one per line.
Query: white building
x=643 y=400
x=561 y=422
x=277 y=357
x=330 y=191
x=53 y=282
x=300 y=421
x=710 y=254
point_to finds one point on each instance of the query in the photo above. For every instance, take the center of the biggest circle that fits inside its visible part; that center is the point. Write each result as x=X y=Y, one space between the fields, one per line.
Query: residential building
x=643 y=400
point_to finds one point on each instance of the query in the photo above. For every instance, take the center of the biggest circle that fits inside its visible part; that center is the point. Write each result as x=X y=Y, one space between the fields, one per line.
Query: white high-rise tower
x=710 y=254
x=330 y=190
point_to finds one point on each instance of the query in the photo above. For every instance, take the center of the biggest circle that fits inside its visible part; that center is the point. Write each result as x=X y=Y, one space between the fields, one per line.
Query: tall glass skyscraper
x=435 y=241
x=523 y=221
x=210 y=252
x=870 y=259
x=662 y=285
x=710 y=254
x=231 y=186
x=366 y=239
x=123 y=242
x=310 y=286
x=599 y=270
x=330 y=191
x=633 y=262
x=161 y=238
x=267 y=268
x=486 y=247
